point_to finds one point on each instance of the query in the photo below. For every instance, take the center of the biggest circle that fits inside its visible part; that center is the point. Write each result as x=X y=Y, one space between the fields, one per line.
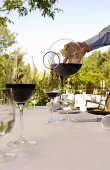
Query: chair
x=107 y=105
x=103 y=104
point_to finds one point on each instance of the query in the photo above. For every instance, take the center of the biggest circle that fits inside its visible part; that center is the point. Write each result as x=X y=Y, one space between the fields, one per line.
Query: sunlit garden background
x=95 y=68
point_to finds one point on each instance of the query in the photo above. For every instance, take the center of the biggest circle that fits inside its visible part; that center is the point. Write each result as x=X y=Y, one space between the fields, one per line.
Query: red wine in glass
x=66 y=69
x=52 y=94
x=51 y=88
x=21 y=92
x=21 y=78
x=56 y=55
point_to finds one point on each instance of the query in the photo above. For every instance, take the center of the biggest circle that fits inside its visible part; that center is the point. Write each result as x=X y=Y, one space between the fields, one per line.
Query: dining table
x=79 y=145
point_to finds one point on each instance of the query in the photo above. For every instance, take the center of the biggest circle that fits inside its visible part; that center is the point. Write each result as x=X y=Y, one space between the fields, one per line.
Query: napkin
x=56 y=106
x=106 y=122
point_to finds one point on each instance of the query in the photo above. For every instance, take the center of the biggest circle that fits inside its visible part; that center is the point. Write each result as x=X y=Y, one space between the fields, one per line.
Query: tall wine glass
x=21 y=77
x=51 y=89
x=7 y=119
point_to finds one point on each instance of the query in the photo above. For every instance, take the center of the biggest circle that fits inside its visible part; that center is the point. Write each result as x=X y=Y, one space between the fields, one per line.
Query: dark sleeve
x=100 y=40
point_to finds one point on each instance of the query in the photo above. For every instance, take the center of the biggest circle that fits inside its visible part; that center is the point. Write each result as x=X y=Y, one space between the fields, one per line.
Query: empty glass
x=67 y=104
x=7 y=119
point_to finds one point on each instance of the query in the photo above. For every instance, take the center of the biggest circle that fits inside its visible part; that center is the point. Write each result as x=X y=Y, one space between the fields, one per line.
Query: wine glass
x=51 y=89
x=7 y=119
x=21 y=77
x=67 y=105
x=34 y=101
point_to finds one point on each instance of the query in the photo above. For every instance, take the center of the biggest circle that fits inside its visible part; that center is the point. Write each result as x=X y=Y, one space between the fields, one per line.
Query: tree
x=7 y=39
x=24 y=7
x=3 y=62
x=23 y=70
x=106 y=68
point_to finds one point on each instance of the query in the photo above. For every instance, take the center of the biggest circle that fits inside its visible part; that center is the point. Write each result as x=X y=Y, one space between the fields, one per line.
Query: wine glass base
x=6 y=156
x=50 y=122
x=22 y=143
x=67 y=118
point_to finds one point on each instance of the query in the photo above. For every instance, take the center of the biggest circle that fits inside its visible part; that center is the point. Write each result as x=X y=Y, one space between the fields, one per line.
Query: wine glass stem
x=51 y=110
x=21 y=106
x=67 y=115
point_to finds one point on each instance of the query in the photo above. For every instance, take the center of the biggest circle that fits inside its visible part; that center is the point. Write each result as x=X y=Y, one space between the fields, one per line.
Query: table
x=65 y=146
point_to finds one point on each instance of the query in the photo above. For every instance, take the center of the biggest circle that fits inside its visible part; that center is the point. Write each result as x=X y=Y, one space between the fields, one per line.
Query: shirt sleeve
x=100 y=40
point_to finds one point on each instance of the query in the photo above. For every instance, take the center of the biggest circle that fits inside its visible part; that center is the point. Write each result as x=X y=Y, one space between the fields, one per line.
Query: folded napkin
x=56 y=106
x=106 y=122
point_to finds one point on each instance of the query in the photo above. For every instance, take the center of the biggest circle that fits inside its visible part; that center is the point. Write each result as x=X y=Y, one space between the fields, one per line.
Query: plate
x=99 y=112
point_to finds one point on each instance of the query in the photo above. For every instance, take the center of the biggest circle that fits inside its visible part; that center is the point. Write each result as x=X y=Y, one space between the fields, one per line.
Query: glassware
x=72 y=65
x=67 y=104
x=34 y=101
x=7 y=119
x=21 y=77
x=51 y=59
x=51 y=89
x=54 y=58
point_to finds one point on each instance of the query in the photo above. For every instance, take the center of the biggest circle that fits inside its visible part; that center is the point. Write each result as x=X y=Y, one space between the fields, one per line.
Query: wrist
x=84 y=47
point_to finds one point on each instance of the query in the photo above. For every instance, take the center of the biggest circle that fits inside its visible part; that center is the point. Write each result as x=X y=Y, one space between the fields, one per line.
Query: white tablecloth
x=65 y=146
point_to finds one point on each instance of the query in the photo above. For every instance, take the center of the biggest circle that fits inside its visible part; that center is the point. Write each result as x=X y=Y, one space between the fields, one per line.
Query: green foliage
x=24 y=7
x=7 y=39
x=95 y=67
x=40 y=95
x=88 y=77
x=49 y=79
x=40 y=83
x=15 y=63
x=3 y=62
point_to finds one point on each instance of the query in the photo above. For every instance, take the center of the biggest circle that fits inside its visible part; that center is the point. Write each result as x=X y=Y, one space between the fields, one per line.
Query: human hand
x=74 y=52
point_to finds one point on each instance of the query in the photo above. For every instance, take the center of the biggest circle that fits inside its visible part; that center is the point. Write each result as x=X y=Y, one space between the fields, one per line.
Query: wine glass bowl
x=51 y=94
x=22 y=92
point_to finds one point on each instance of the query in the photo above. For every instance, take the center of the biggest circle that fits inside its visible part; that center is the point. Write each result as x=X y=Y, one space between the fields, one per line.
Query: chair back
x=107 y=104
